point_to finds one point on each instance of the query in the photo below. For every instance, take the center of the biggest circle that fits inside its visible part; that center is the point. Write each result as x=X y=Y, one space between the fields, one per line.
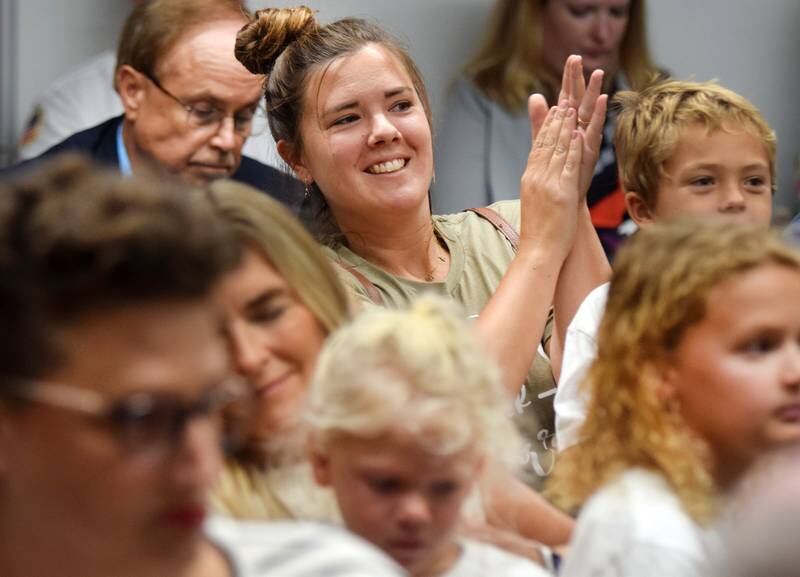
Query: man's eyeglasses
x=205 y=116
x=150 y=422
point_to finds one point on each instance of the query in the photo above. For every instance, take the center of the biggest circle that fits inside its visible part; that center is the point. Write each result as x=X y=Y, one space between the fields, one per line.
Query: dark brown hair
x=287 y=45
x=74 y=238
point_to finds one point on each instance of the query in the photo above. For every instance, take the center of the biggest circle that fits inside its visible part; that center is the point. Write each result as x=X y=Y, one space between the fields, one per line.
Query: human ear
x=320 y=464
x=130 y=86
x=638 y=209
x=663 y=379
x=294 y=160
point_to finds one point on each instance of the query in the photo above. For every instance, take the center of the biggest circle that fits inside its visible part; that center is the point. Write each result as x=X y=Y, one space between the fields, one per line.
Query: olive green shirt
x=479 y=257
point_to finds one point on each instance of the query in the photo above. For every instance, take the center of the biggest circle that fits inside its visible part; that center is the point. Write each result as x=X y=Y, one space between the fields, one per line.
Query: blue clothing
x=122 y=152
x=100 y=143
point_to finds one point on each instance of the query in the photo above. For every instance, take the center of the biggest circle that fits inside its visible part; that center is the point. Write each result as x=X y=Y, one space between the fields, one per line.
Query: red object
x=189 y=517
x=609 y=212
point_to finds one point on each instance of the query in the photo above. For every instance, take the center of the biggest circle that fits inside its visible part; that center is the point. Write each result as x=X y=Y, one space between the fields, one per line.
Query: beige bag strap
x=507 y=231
x=499 y=223
x=372 y=291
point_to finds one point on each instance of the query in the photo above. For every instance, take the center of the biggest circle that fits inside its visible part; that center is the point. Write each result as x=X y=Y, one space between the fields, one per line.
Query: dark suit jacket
x=100 y=144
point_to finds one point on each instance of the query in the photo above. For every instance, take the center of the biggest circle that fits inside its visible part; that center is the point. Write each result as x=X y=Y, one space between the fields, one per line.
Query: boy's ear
x=638 y=209
x=292 y=159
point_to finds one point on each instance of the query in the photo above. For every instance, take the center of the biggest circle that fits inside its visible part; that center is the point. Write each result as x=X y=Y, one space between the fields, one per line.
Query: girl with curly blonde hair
x=697 y=374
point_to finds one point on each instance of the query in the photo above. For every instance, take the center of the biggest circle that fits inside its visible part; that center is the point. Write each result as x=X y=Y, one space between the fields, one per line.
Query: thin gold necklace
x=429 y=276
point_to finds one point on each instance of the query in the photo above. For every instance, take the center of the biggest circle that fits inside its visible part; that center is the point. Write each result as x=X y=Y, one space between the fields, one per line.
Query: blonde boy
x=684 y=149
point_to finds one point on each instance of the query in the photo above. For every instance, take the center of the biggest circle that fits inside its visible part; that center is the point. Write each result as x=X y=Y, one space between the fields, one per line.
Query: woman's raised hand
x=591 y=107
x=550 y=188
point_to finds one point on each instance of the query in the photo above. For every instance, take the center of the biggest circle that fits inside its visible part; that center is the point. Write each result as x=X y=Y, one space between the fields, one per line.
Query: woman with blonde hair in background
x=697 y=374
x=482 y=142
x=280 y=304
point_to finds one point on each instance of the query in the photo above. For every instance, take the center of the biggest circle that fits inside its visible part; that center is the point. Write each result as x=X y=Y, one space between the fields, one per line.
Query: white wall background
x=439 y=34
x=57 y=35
x=752 y=46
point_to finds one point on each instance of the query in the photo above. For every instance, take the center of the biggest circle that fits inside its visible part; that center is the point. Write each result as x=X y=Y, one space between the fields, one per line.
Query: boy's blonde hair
x=419 y=369
x=652 y=121
x=662 y=281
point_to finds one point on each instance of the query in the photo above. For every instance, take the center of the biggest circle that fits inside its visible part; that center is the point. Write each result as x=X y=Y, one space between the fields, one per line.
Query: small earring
x=307 y=188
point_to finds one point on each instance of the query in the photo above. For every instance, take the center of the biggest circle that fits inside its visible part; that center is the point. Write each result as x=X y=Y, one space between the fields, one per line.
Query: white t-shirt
x=483 y=560
x=636 y=527
x=580 y=350
x=296 y=549
x=85 y=97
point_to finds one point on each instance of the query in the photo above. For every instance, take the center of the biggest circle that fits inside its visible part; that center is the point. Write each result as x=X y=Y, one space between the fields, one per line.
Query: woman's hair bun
x=270 y=31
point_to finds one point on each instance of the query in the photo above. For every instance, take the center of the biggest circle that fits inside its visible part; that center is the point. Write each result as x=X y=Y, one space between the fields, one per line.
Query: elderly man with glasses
x=189 y=105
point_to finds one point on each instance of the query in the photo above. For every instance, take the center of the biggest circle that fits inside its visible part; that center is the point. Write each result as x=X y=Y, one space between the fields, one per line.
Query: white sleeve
x=607 y=545
x=56 y=116
x=634 y=527
x=297 y=549
x=75 y=102
x=461 y=155
x=638 y=561
x=580 y=350
x=480 y=559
